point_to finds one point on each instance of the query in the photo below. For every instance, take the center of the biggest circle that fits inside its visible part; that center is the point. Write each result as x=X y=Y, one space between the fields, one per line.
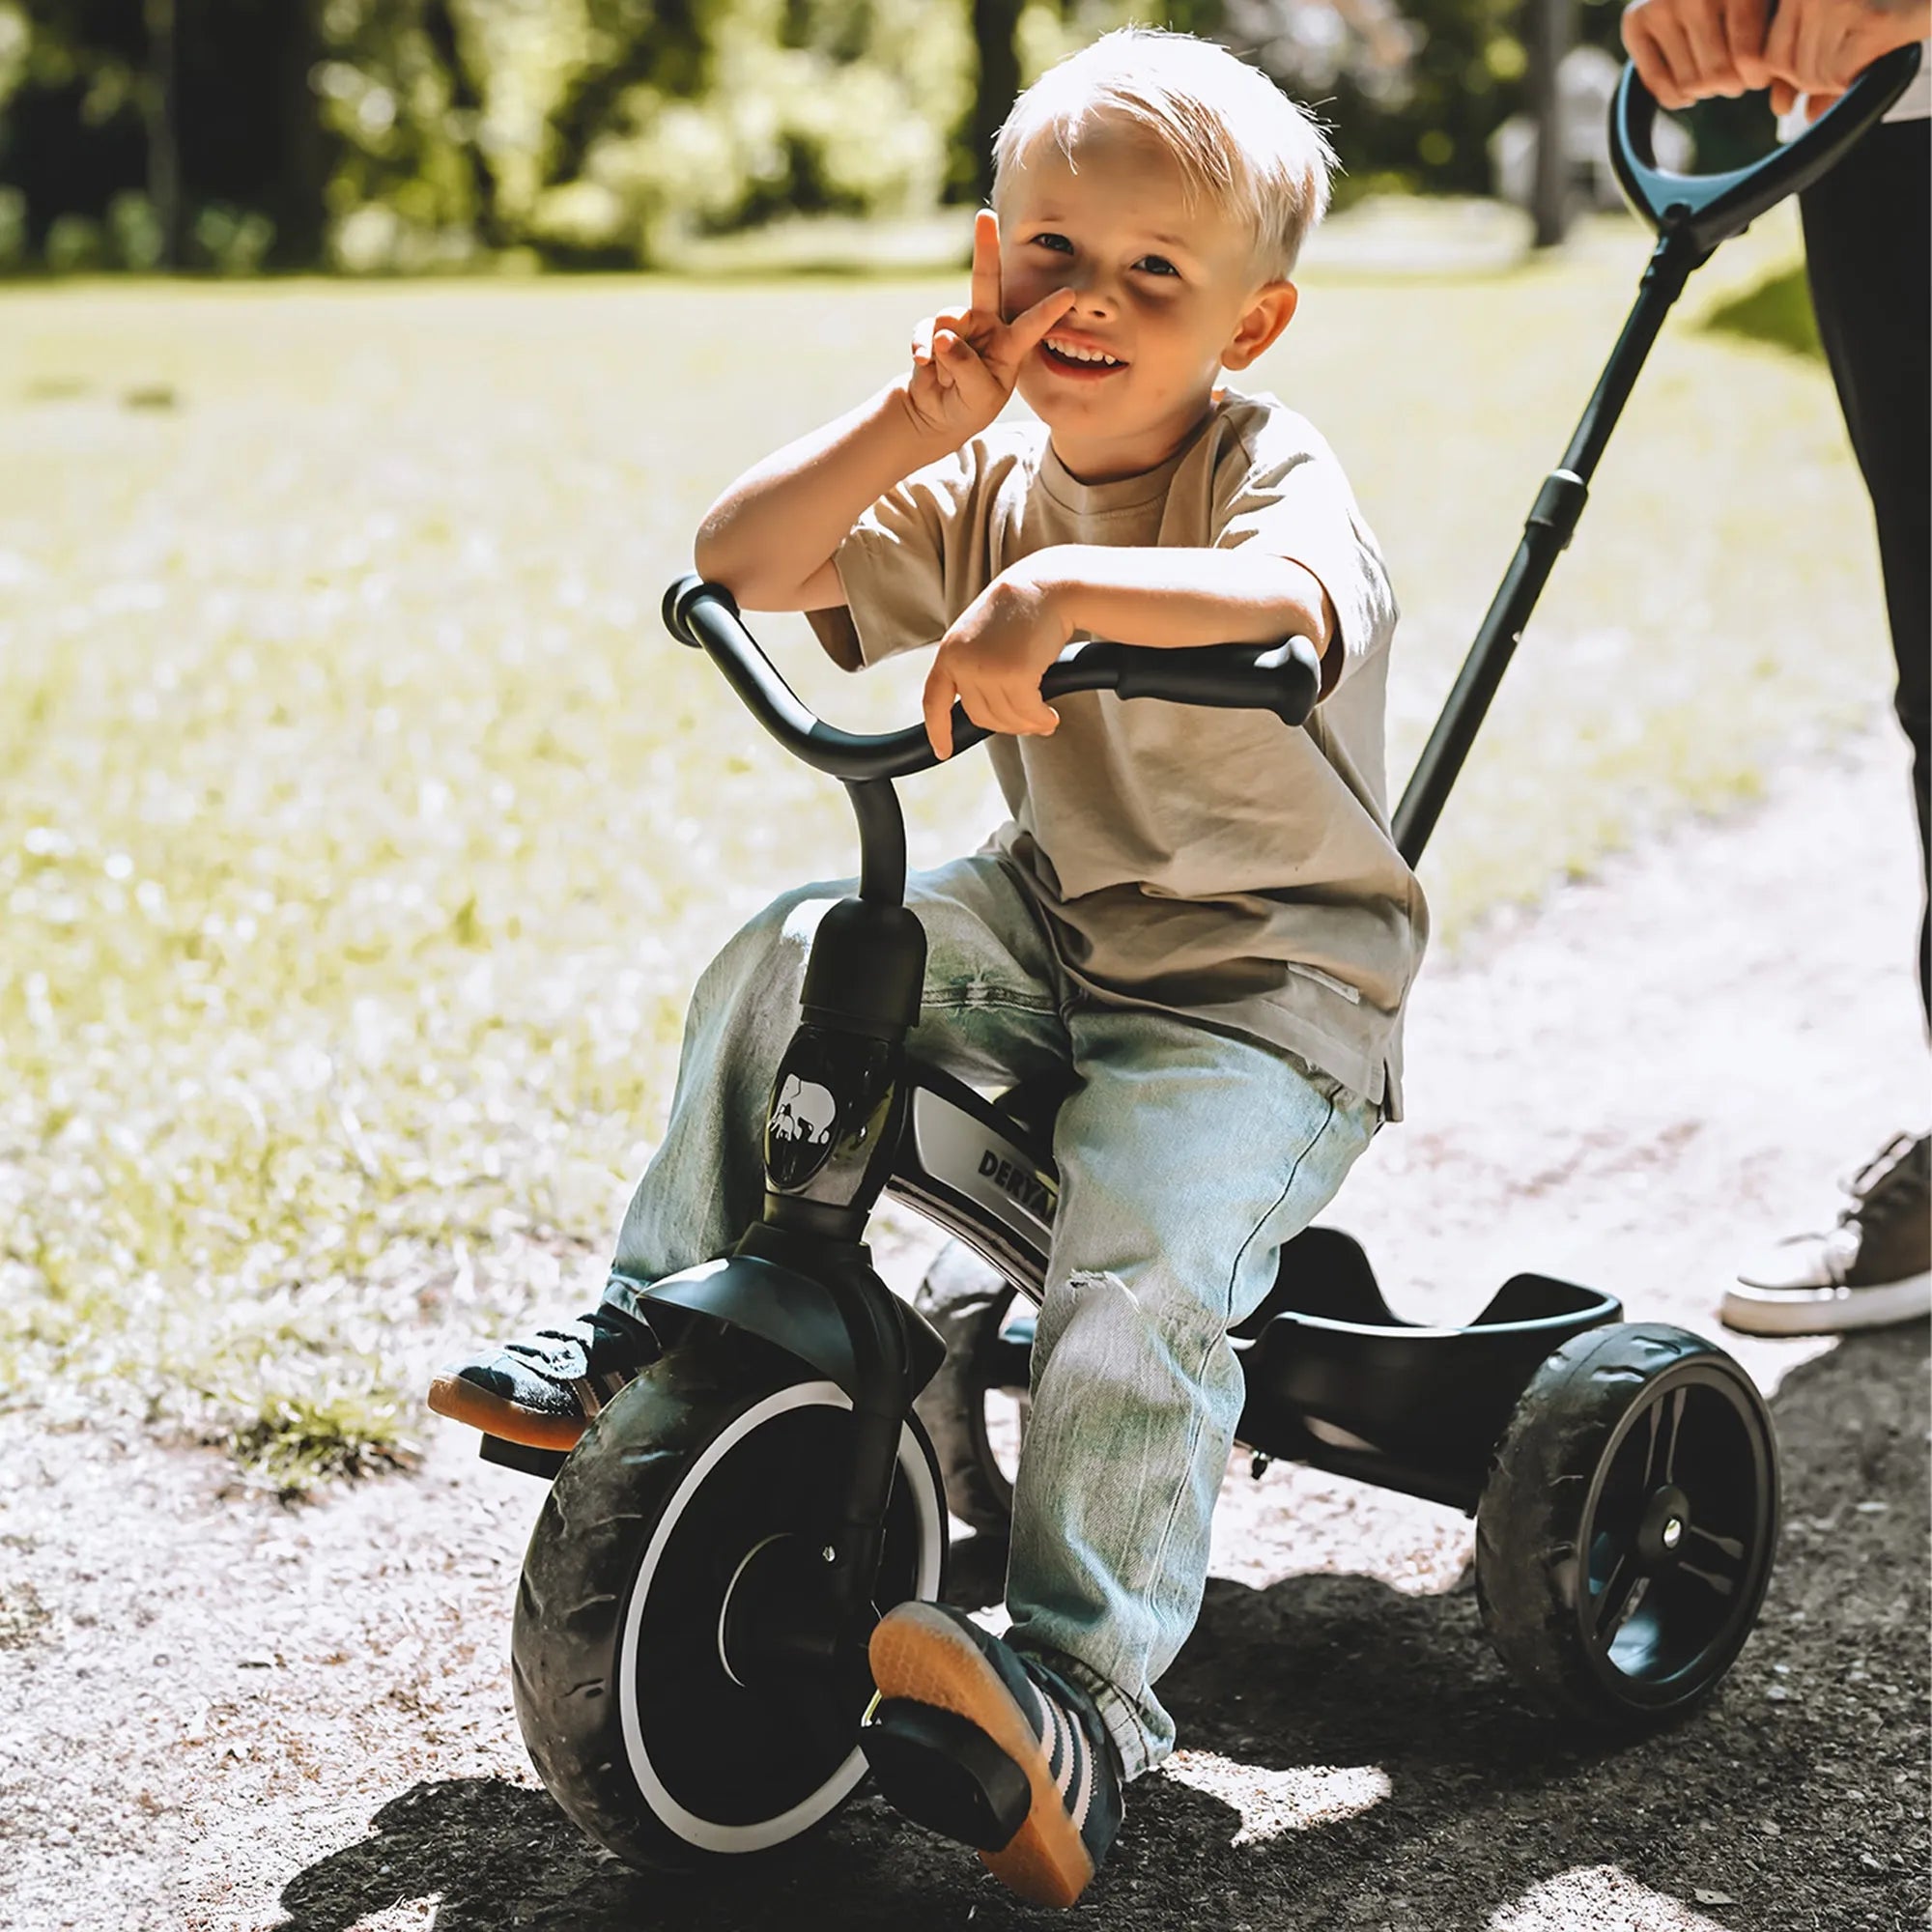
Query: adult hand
x=1818 y=47
x=993 y=658
x=966 y=361
x=1688 y=50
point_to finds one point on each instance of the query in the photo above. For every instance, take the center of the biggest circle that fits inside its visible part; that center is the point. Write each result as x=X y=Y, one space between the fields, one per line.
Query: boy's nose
x=1094 y=295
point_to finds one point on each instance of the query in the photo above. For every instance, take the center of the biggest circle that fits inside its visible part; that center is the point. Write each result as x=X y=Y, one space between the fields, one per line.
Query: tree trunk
x=995 y=33
x=302 y=163
x=164 y=186
x=1547 y=40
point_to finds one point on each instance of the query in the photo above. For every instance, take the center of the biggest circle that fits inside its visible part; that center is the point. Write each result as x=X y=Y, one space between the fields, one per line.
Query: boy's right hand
x=965 y=363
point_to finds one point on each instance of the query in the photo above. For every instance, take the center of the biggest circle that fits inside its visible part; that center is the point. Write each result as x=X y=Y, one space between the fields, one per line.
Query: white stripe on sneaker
x=1058 y=1746
x=1081 y=1796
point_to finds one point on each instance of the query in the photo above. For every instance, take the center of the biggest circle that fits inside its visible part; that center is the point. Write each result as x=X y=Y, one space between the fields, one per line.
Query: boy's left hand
x=992 y=661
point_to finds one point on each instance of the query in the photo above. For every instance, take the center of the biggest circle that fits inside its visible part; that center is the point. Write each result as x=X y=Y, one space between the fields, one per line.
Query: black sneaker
x=543 y=1390
x=990 y=1745
x=1872 y=1269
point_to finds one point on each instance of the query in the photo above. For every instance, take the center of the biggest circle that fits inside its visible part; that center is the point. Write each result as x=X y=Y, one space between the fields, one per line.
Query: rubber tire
x=1529 y=1518
x=584 y=1562
x=966 y=1299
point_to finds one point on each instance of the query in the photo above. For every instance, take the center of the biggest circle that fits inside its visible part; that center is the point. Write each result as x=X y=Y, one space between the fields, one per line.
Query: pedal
x=948 y=1774
x=519 y=1456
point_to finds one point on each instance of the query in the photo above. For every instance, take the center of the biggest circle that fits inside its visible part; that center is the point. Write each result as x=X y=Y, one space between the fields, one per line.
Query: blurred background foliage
x=376 y=136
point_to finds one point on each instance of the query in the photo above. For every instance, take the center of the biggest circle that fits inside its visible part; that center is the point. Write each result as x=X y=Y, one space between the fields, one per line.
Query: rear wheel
x=974 y=1407
x=669 y=1563
x=1626 y=1534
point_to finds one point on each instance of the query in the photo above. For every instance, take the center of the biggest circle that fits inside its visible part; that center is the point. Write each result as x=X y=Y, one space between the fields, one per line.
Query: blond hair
x=1239 y=140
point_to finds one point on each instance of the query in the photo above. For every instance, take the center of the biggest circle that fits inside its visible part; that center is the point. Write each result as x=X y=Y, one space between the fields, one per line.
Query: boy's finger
x=936 y=703
x=986 y=265
x=1032 y=714
x=1024 y=331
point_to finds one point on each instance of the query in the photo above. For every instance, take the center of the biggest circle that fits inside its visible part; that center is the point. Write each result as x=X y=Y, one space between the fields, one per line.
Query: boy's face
x=1169 y=290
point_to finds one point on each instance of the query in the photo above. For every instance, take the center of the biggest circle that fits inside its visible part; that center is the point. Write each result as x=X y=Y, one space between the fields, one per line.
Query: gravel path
x=217 y=1712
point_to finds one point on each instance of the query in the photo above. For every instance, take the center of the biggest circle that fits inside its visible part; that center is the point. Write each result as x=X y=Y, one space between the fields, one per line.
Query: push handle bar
x=1711 y=208
x=1283 y=678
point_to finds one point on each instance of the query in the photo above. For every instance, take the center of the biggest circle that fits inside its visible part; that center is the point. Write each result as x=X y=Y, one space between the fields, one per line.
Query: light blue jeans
x=1187 y=1158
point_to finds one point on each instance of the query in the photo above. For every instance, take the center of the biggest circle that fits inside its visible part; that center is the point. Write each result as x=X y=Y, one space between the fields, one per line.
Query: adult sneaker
x=543 y=1389
x=992 y=1747
x=1872 y=1269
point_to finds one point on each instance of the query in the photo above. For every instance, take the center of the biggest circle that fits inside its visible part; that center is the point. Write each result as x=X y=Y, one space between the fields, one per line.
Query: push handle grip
x=1284 y=678
x=1713 y=208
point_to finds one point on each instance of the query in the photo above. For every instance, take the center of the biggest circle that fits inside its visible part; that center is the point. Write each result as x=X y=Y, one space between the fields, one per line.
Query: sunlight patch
x=1273 y=1802
x=1599 y=1899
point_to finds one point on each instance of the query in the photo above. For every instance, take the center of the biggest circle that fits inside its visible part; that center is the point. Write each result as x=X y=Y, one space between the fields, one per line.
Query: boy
x=1198 y=912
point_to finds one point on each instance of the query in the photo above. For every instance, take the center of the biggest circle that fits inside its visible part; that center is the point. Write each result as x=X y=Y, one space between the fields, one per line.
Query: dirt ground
x=219 y=1712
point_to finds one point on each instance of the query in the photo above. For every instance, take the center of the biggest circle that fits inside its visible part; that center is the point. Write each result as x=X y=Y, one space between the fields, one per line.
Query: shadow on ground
x=1795 y=1801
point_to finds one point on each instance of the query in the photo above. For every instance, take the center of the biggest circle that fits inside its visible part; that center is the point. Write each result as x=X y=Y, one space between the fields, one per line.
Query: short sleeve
x=1283 y=490
x=896 y=563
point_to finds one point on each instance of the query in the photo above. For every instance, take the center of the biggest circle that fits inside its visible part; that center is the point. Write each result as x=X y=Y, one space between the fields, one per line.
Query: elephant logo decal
x=805 y=1112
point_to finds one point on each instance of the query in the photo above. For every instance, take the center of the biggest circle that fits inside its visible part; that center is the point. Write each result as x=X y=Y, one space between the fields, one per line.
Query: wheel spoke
x=1723 y=1552
x=1666 y=1422
x=1613 y=1600
x=1724 y=1586
x=1721 y=1561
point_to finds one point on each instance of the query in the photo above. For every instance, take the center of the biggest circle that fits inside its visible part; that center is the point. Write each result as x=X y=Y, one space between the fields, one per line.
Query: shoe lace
x=1887 y=1183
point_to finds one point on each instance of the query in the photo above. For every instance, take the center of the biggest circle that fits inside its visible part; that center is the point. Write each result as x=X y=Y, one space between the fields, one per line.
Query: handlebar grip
x=1284 y=678
x=1713 y=208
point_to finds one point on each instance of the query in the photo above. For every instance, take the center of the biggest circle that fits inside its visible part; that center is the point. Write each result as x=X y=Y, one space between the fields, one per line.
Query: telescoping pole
x=1546 y=536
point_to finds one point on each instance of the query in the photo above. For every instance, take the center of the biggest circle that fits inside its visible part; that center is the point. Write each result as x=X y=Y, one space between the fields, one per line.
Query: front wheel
x=1626 y=1534
x=683 y=1532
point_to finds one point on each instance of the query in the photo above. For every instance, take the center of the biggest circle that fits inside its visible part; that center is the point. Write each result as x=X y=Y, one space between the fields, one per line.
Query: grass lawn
x=361 y=832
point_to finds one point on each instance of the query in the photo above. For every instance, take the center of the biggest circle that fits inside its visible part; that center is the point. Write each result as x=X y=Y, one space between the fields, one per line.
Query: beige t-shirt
x=1212 y=864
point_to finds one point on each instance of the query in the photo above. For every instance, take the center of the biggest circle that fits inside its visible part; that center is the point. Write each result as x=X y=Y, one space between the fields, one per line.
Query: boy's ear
x=1268 y=314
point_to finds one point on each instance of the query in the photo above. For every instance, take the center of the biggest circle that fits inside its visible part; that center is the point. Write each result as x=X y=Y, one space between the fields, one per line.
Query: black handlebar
x=1284 y=678
x=1713 y=208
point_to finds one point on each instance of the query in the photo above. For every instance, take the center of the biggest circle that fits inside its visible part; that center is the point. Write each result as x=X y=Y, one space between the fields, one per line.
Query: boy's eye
x=1158 y=265
x=1053 y=242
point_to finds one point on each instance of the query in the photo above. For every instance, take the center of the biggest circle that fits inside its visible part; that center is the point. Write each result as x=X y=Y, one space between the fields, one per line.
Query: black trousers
x=1866 y=251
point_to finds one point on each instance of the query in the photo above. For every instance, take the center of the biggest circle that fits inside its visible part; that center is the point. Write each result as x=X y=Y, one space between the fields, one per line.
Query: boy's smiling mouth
x=1076 y=356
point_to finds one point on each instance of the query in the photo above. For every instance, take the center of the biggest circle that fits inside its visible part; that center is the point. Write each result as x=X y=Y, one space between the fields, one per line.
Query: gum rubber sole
x=1825 y=1311
x=477 y=1408
x=918 y=1654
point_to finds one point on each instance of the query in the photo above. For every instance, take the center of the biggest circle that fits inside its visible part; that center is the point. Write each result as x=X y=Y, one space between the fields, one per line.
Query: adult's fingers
x=1711 y=71
x=1837 y=54
x=987 y=267
x=1659 y=50
x=1812 y=36
x=1780 y=42
x=1744 y=25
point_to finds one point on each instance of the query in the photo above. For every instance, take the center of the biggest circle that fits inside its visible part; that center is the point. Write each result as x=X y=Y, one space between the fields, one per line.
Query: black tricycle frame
x=1335 y=1379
